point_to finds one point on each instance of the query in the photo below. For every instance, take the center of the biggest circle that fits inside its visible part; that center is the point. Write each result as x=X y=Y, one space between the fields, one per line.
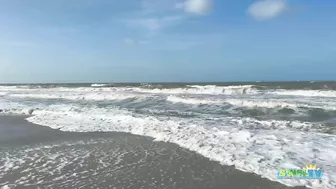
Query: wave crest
x=207 y=89
x=99 y=85
x=306 y=93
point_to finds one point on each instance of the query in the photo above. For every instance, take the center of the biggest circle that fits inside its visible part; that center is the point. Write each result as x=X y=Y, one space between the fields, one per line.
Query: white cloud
x=267 y=9
x=197 y=6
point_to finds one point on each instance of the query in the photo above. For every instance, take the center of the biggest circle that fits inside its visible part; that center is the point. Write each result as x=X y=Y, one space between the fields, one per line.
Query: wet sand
x=33 y=156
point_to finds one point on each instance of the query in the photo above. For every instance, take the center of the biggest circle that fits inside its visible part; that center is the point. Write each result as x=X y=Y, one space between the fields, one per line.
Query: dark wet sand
x=33 y=156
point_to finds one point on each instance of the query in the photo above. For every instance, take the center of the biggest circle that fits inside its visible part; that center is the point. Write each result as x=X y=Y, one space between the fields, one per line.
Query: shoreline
x=17 y=132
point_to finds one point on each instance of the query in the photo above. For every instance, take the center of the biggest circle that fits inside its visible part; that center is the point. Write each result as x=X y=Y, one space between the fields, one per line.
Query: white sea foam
x=223 y=87
x=261 y=103
x=124 y=94
x=208 y=89
x=192 y=89
x=33 y=162
x=116 y=93
x=232 y=101
x=307 y=93
x=13 y=107
x=98 y=96
x=99 y=85
x=263 y=152
x=252 y=103
x=186 y=100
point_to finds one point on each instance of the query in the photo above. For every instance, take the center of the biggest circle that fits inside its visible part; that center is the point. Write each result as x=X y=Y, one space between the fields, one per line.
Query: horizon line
x=166 y=82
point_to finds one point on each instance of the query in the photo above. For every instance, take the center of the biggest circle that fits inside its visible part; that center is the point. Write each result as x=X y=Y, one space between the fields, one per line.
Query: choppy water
x=257 y=127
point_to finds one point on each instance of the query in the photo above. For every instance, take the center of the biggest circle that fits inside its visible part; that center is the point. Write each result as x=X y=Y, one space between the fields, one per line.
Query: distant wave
x=208 y=89
x=234 y=102
x=307 y=93
x=99 y=85
x=85 y=96
x=250 y=103
x=197 y=101
x=190 y=89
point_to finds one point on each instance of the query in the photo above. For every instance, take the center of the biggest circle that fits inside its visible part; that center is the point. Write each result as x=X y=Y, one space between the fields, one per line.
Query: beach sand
x=33 y=156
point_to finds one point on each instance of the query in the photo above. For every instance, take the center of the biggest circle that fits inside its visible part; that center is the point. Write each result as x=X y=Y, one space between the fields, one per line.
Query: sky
x=167 y=40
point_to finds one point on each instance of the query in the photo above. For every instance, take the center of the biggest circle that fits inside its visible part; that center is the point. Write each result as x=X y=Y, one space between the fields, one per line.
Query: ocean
x=255 y=127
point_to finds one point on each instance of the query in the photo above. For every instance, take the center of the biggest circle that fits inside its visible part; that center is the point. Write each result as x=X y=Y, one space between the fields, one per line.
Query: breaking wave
x=197 y=101
x=208 y=89
x=86 y=96
x=99 y=85
x=306 y=93
x=250 y=103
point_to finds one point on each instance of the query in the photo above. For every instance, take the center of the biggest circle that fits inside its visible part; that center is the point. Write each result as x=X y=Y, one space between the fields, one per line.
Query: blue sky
x=167 y=40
